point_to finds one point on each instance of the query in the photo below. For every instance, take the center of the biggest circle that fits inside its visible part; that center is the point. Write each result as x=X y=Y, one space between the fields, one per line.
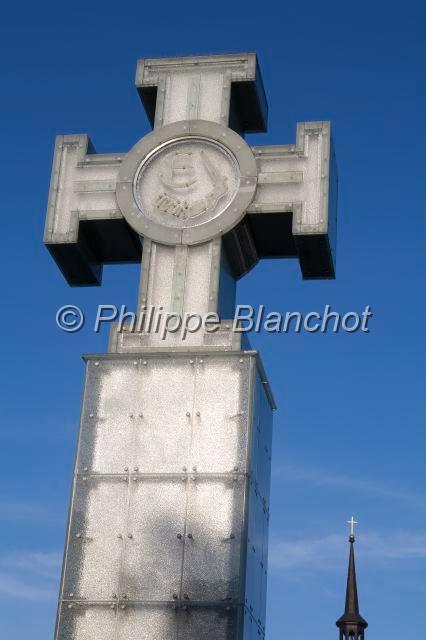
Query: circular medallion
x=186 y=181
x=187 y=188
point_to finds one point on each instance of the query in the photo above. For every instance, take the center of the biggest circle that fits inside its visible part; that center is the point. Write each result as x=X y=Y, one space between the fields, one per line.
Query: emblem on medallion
x=185 y=183
x=181 y=194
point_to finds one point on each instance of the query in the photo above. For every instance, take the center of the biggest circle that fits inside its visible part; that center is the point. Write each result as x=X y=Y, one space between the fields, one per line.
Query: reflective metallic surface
x=169 y=516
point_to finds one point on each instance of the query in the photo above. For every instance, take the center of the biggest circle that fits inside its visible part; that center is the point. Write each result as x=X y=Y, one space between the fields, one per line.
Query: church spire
x=351 y=623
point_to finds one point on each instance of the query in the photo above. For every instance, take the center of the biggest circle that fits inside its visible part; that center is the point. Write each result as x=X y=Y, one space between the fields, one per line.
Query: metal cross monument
x=168 y=529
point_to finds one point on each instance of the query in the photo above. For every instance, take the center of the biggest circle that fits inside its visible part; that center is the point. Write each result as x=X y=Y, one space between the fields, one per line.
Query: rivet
x=136 y=469
x=130 y=535
x=198 y=413
x=135 y=362
x=85 y=469
x=126 y=468
x=78 y=535
x=188 y=414
x=91 y=415
x=71 y=594
x=179 y=536
x=119 y=536
x=190 y=536
x=70 y=606
x=201 y=361
x=175 y=596
x=96 y=364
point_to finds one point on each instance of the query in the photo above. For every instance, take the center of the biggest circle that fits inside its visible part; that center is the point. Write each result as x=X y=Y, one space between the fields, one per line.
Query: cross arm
x=224 y=88
x=84 y=226
x=293 y=213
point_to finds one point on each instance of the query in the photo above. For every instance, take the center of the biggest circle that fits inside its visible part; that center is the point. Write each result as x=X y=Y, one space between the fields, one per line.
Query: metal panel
x=152 y=563
x=87 y=622
x=146 y=623
x=204 y=87
x=220 y=432
x=94 y=550
x=219 y=623
x=214 y=526
x=159 y=512
x=258 y=518
x=111 y=407
x=134 y=415
x=162 y=439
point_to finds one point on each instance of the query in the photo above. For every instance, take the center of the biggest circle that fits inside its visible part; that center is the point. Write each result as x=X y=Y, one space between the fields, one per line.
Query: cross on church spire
x=351 y=624
x=352 y=522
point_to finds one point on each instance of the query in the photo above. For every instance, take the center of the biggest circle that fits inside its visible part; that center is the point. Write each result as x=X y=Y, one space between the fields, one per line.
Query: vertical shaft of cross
x=184 y=278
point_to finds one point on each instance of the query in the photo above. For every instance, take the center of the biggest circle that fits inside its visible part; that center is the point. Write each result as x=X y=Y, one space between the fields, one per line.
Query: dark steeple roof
x=351 y=623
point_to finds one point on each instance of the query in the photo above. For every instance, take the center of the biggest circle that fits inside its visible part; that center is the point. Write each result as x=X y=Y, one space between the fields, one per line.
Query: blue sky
x=349 y=433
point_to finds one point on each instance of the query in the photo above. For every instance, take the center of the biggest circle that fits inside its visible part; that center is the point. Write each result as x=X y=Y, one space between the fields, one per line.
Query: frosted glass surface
x=288 y=163
x=159 y=501
x=192 y=95
x=203 y=624
x=160 y=282
x=112 y=403
x=146 y=623
x=261 y=445
x=198 y=269
x=220 y=431
x=94 y=550
x=162 y=439
x=257 y=548
x=135 y=416
x=212 y=556
x=87 y=623
x=153 y=556
x=83 y=188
